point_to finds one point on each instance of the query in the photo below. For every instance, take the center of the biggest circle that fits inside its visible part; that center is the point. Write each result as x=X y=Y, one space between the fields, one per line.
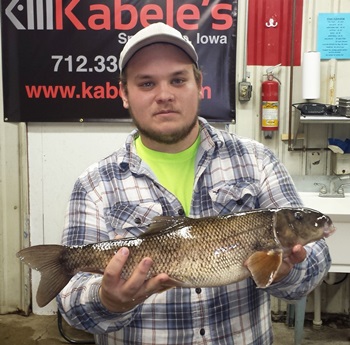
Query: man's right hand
x=120 y=295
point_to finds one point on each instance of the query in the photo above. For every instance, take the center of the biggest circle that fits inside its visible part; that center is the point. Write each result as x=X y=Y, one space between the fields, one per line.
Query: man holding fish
x=174 y=165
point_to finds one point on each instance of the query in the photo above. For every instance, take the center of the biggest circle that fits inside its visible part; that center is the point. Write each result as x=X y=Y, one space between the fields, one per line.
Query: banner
x=60 y=57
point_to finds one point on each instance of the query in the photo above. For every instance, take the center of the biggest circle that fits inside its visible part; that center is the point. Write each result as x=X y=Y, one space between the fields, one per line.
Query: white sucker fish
x=203 y=252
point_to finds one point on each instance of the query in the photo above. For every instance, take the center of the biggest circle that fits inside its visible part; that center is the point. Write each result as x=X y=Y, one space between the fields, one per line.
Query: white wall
x=14 y=277
x=58 y=154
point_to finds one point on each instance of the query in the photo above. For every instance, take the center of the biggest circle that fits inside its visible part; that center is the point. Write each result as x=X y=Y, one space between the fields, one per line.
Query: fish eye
x=298 y=215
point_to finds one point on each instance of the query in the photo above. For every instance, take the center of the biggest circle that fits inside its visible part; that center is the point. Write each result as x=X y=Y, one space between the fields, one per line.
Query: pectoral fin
x=172 y=283
x=263 y=266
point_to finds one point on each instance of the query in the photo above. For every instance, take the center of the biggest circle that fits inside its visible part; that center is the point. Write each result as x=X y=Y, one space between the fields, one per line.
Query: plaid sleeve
x=84 y=221
x=278 y=190
x=305 y=276
x=80 y=305
x=79 y=301
x=277 y=186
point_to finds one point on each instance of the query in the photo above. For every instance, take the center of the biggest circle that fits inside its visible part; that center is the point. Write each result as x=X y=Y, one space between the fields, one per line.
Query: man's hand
x=297 y=255
x=119 y=295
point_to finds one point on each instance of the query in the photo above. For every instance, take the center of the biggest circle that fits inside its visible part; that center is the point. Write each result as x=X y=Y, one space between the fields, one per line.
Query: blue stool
x=296 y=317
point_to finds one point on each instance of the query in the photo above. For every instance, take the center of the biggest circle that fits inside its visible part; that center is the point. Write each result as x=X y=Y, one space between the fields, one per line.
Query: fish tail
x=47 y=260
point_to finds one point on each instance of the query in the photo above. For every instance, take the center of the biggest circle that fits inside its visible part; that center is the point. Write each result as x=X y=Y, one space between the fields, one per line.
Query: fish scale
x=203 y=252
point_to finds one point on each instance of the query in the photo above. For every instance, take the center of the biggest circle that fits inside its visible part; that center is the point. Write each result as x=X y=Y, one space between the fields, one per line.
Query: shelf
x=315 y=119
x=324 y=119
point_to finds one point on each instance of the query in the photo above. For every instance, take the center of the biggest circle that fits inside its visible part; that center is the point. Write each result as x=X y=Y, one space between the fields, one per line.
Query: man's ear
x=122 y=93
x=201 y=87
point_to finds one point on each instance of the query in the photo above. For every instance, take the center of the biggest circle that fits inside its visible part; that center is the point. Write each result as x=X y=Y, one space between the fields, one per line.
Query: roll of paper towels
x=311 y=70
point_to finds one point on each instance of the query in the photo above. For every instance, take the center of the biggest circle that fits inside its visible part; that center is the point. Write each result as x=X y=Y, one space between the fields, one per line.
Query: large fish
x=204 y=252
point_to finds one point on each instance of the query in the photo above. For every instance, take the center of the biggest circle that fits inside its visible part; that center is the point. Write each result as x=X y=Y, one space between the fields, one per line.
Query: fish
x=195 y=252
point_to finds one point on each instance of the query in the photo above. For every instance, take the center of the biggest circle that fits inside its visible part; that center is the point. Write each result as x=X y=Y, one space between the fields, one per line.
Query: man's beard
x=172 y=138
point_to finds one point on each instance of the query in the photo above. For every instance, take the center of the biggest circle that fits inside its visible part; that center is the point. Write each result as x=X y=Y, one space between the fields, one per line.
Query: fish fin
x=263 y=266
x=164 y=224
x=47 y=260
x=166 y=288
x=172 y=283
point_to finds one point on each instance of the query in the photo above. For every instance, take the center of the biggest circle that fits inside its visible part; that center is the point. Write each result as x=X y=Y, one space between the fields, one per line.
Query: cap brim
x=156 y=33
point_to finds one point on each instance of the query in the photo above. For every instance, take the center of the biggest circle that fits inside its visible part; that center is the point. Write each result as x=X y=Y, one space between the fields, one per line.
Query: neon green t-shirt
x=175 y=171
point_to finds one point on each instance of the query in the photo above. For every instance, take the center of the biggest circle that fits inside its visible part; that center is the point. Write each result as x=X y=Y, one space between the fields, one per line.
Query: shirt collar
x=211 y=138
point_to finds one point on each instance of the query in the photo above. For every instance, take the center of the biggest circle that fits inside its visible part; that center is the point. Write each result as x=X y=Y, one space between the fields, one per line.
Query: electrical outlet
x=245 y=90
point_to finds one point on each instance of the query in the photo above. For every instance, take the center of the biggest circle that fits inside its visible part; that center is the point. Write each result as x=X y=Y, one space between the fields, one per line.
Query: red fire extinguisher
x=270 y=102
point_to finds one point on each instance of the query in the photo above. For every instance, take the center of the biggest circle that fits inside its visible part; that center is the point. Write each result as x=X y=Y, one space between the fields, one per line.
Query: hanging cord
x=339 y=281
x=70 y=340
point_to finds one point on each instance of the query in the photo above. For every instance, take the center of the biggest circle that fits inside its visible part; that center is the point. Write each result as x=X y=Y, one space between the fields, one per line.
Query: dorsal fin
x=164 y=224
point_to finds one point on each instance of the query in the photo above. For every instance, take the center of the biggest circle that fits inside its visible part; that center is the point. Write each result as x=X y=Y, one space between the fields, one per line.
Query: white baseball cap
x=156 y=33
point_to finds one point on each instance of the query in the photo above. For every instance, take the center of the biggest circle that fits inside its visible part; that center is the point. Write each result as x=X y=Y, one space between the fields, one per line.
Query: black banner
x=60 y=57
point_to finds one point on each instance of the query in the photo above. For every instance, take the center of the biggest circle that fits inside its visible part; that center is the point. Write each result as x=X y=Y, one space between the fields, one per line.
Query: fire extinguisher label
x=269 y=115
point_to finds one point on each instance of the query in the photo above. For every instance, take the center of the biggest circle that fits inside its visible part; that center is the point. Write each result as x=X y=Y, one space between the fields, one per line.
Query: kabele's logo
x=27 y=15
x=113 y=14
x=43 y=14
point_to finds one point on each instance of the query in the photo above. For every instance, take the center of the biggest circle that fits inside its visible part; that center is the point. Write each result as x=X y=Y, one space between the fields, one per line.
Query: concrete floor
x=43 y=330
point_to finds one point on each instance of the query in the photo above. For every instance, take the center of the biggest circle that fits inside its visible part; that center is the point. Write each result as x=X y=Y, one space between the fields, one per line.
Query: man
x=175 y=164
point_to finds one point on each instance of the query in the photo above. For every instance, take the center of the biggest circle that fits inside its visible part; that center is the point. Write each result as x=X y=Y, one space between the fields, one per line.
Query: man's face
x=163 y=96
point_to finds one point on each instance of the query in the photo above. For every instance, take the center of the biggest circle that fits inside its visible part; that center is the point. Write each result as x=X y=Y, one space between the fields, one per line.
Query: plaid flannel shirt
x=120 y=195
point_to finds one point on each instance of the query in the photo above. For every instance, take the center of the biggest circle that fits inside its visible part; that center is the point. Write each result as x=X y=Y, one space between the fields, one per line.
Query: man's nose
x=165 y=93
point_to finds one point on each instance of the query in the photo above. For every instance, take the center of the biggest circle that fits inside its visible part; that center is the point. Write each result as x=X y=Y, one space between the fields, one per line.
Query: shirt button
x=181 y=212
x=138 y=220
x=198 y=290
x=202 y=331
x=239 y=202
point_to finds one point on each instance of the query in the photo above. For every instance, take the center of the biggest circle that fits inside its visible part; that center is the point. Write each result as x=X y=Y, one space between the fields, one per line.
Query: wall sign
x=60 y=57
x=333 y=35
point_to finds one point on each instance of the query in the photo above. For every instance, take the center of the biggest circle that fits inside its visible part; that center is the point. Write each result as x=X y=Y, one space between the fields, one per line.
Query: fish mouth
x=329 y=229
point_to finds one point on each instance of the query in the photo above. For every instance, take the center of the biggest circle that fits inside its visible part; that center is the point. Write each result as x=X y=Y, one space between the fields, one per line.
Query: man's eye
x=146 y=84
x=178 y=81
